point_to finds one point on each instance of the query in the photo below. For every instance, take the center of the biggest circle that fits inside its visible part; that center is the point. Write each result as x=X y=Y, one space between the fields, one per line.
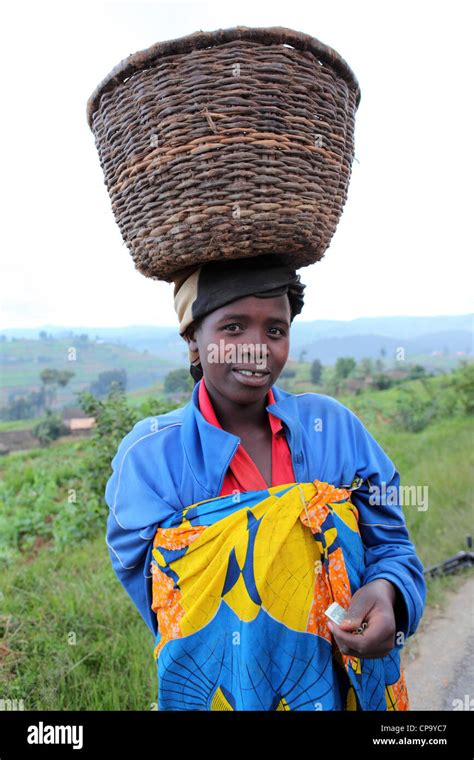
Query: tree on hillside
x=103 y=385
x=178 y=381
x=51 y=379
x=381 y=381
x=463 y=383
x=50 y=428
x=365 y=367
x=316 y=372
x=344 y=366
x=302 y=355
x=22 y=406
x=416 y=371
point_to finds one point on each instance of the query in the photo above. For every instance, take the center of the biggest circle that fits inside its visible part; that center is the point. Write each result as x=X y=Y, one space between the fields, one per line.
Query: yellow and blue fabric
x=168 y=462
x=240 y=584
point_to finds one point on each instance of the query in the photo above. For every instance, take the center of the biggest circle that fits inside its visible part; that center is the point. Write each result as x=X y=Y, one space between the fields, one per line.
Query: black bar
x=132 y=734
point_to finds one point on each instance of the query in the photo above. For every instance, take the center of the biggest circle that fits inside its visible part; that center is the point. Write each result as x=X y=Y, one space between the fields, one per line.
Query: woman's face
x=248 y=334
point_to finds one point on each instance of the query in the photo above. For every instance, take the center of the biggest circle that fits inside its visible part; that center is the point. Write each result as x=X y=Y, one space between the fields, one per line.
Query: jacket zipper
x=226 y=467
x=296 y=459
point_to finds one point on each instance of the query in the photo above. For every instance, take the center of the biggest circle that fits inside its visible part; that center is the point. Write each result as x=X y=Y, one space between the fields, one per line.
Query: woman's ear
x=190 y=337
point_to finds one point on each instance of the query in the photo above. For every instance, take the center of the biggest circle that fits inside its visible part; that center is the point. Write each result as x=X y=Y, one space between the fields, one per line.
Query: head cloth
x=200 y=290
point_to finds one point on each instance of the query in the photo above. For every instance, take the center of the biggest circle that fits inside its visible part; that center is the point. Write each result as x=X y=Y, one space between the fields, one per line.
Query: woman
x=238 y=519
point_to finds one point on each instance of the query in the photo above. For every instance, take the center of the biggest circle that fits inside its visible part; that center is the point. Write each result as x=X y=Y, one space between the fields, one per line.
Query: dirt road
x=439 y=660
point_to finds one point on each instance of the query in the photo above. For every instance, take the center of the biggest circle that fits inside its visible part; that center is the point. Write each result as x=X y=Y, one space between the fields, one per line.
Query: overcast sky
x=404 y=242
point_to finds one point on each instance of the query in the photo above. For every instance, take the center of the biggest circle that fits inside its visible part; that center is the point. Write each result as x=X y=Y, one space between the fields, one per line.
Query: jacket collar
x=209 y=449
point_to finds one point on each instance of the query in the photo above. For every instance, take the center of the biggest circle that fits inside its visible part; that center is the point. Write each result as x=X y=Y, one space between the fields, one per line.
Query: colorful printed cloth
x=240 y=586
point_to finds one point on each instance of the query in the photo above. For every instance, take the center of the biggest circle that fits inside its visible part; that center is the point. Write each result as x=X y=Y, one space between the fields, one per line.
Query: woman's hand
x=373 y=603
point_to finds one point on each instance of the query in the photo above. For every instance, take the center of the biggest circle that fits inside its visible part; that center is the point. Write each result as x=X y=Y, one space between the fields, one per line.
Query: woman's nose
x=256 y=335
x=257 y=344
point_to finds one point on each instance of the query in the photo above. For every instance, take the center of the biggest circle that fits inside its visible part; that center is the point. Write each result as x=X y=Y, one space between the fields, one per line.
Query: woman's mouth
x=251 y=377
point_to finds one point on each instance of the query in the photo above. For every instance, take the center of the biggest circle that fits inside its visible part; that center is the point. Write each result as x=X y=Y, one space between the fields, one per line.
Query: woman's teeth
x=249 y=373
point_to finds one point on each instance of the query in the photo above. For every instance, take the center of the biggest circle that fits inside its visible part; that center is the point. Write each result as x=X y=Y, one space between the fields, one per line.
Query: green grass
x=442 y=458
x=55 y=589
x=71 y=638
x=34 y=490
x=7 y=425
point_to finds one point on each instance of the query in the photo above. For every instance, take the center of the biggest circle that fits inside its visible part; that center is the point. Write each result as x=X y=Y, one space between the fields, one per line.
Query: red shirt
x=243 y=474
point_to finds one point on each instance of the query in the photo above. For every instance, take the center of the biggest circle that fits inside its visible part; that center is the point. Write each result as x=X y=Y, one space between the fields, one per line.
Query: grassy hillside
x=22 y=361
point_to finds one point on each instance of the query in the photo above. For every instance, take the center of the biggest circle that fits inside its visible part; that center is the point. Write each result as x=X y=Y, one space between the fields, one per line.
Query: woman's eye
x=238 y=326
x=232 y=324
x=282 y=332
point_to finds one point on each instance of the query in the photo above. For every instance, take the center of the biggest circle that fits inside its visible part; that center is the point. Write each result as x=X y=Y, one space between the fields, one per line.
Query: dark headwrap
x=201 y=290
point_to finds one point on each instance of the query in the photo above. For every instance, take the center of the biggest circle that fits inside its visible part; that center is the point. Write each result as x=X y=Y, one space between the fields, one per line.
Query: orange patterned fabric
x=165 y=597
x=254 y=559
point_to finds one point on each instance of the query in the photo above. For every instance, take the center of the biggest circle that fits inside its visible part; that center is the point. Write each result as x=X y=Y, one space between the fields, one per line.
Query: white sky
x=404 y=242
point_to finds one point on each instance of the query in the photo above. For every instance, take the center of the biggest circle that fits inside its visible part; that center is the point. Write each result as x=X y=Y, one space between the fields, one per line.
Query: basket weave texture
x=227 y=144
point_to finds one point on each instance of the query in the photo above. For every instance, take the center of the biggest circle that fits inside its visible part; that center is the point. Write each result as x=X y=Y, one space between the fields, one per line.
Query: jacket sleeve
x=389 y=552
x=135 y=511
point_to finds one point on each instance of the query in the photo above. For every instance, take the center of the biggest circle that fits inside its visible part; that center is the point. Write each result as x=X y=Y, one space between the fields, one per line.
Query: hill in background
x=23 y=359
x=148 y=353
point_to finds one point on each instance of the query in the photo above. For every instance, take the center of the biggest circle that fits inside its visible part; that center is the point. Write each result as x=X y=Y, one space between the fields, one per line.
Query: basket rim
x=198 y=40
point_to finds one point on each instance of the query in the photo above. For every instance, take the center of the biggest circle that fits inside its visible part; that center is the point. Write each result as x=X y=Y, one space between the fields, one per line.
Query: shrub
x=463 y=384
x=381 y=381
x=413 y=413
x=316 y=372
x=345 y=365
x=114 y=419
x=178 y=381
x=50 y=428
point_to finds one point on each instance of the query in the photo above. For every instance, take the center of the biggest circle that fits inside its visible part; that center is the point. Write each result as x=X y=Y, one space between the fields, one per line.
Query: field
x=71 y=639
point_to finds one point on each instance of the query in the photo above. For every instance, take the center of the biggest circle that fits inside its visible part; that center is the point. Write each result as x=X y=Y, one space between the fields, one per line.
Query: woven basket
x=226 y=144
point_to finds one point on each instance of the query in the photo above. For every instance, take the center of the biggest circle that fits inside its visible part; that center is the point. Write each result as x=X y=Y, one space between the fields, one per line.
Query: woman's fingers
x=376 y=641
x=374 y=605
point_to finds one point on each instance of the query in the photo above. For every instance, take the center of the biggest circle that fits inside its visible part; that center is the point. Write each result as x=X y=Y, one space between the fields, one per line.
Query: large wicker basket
x=227 y=144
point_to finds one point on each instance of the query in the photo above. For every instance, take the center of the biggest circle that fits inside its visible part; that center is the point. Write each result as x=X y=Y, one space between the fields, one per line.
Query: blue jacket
x=176 y=459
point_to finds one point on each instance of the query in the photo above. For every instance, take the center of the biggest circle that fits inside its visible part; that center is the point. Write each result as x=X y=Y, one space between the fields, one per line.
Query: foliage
x=55 y=495
x=105 y=380
x=413 y=412
x=50 y=376
x=24 y=406
x=381 y=381
x=52 y=379
x=419 y=404
x=178 y=381
x=316 y=372
x=114 y=418
x=416 y=371
x=463 y=385
x=344 y=366
x=365 y=367
x=50 y=428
